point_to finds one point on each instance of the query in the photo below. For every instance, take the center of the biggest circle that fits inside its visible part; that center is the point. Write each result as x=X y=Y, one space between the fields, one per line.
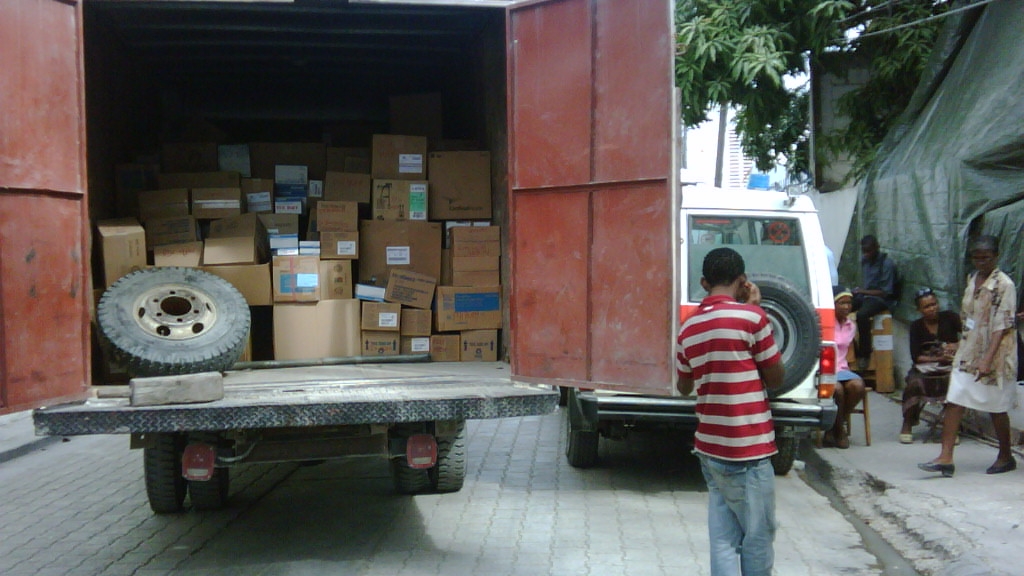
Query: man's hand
x=749 y=293
x=684 y=385
x=773 y=375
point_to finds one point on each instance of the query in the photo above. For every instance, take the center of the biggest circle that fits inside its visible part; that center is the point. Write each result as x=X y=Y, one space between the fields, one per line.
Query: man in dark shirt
x=875 y=296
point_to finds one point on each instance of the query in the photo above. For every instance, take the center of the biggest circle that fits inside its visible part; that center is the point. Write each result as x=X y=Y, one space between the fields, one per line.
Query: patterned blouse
x=984 y=311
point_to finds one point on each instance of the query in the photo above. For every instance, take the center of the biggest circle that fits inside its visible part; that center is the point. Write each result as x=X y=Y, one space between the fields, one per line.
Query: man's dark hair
x=868 y=240
x=985 y=242
x=722 y=266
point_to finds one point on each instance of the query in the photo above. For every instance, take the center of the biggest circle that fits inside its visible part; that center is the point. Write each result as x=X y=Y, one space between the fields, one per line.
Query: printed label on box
x=299 y=283
x=387 y=320
x=259 y=202
x=398 y=255
x=418 y=202
x=420 y=344
x=410 y=163
x=346 y=248
x=476 y=302
x=316 y=188
x=218 y=204
x=288 y=207
x=291 y=174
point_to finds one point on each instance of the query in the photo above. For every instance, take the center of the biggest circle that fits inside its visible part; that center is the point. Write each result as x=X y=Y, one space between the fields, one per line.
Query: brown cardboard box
x=189 y=254
x=296 y=278
x=386 y=245
x=337 y=216
x=417 y=114
x=399 y=199
x=468 y=308
x=234 y=158
x=382 y=316
x=171 y=203
x=479 y=346
x=173 y=230
x=252 y=280
x=258 y=194
x=239 y=239
x=474 y=233
x=414 y=344
x=339 y=245
x=460 y=185
x=474 y=263
x=416 y=322
x=476 y=278
x=347 y=187
x=325 y=329
x=399 y=157
x=353 y=160
x=123 y=245
x=212 y=203
x=189 y=157
x=335 y=279
x=446 y=267
x=263 y=156
x=463 y=249
x=198 y=180
x=410 y=288
x=445 y=347
x=376 y=343
x=280 y=223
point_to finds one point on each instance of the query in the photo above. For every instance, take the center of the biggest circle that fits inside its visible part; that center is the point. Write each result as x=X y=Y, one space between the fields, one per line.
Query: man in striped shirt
x=726 y=349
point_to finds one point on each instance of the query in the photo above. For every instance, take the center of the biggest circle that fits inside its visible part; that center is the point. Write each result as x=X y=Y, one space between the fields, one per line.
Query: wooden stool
x=864 y=409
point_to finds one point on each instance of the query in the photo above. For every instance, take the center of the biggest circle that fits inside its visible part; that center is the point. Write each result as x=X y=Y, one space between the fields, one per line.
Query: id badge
x=969 y=324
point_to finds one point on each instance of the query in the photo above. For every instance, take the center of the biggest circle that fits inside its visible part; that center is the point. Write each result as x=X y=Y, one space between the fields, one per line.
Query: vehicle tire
x=210 y=494
x=581 y=440
x=164 y=321
x=795 y=326
x=408 y=480
x=165 y=485
x=783 y=460
x=450 y=472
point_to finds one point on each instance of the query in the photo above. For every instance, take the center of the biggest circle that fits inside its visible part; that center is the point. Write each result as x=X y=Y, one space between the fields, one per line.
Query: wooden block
x=182 y=389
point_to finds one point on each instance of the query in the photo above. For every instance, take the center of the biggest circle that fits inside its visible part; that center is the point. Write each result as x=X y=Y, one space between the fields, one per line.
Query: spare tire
x=165 y=321
x=795 y=326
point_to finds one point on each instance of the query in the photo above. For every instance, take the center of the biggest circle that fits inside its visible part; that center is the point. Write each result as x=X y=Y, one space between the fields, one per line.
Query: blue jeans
x=741 y=515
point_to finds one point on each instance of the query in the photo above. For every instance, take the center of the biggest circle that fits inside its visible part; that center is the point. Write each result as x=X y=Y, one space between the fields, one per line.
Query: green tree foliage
x=738 y=52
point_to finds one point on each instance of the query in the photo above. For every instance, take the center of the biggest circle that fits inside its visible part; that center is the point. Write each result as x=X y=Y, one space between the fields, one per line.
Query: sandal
x=906 y=438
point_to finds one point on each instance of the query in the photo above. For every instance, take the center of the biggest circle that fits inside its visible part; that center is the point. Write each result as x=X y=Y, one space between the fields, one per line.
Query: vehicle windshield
x=768 y=245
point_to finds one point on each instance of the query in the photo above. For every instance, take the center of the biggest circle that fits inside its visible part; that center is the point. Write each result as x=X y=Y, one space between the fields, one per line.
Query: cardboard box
x=339 y=245
x=192 y=180
x=347 y=187
x=123 y=245
x=294 y=174
x=240 y=239
x=398 y=157
x=410 y=288
x=171 y=203
x=234 y=158
x=479 y=346
x=325 y=329
x=415 y=322
x=189 y=254
x=417 y=114
x=337 y=216
x=476 y=278
x=445 y=347
x=474 y=263
x=335 y=279
x=376 y=343
x=174 y=230
x=464 y=249
x=382 y=316
x=213 y=203
x=189 y=157
x=474 y=233
x=296 y=278
x=385 y=245
x=460 y=185
x=369 y=292
x=446 y=267
x=258 y=194
x=414 y=344
x=288 y=206
x=468 y=308
x=263 y=156
x=282 y=230
x=252 y=280
x=354 y=160
x=399 y=199
x=309 y=247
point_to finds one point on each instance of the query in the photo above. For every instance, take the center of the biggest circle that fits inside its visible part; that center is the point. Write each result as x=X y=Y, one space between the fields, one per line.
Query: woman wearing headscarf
x=849 y=385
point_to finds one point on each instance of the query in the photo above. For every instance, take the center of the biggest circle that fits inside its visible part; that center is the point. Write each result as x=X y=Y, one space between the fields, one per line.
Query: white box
x=291 y=174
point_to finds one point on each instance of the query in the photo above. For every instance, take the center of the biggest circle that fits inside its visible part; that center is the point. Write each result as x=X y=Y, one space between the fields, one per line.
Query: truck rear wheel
x=164 y=321
x=449 y=474
x=581 y=440
x=795 y=326
x=786 y=456
x=209 y=494
x=165 y=485
x=408 y=480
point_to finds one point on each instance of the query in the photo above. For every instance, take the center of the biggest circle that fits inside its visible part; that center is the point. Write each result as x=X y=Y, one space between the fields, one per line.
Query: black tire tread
x=786 y=456
x=211 y=494
x=783 y=294
x=165 y=487
x=449 y=474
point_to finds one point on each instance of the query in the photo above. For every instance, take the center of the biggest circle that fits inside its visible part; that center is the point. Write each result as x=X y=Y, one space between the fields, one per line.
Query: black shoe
x=947 y=470
x=1007 y=466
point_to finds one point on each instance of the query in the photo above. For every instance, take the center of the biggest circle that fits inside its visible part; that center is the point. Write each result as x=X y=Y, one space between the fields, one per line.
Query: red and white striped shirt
x=721 y=347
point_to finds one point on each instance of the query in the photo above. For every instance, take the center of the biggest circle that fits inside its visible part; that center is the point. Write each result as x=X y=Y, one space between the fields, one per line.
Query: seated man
x=877 y=294
x=933 y=341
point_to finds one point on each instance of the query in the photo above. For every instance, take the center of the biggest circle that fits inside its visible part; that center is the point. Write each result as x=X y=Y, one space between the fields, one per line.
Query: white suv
x=779 y=237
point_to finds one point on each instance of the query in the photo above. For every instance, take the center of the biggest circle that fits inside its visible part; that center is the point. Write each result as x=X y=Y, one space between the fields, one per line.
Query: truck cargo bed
x=318 y=396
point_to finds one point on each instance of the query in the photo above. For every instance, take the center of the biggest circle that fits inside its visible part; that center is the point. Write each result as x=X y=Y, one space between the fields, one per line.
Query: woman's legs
x=950 y=429
x=913 y=401
x=847 y=396
x=1001 y=423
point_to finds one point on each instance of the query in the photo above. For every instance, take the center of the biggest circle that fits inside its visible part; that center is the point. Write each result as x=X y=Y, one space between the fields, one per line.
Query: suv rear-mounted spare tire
x=795 y=326
x=164 y=321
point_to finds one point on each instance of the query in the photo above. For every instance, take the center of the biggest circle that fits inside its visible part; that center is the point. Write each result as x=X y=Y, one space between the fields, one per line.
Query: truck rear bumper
x=317 y=396
x=682 y=411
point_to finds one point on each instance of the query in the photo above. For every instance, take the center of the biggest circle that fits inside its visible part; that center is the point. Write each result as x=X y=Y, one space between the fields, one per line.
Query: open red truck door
x=592 y=214
x=44 y=280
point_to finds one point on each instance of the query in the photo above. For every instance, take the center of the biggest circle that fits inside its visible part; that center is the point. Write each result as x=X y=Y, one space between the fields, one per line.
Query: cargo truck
x=572 y=98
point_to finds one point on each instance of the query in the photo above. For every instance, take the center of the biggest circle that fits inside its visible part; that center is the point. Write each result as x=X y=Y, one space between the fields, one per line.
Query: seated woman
x=933 y=341
x=850 y=387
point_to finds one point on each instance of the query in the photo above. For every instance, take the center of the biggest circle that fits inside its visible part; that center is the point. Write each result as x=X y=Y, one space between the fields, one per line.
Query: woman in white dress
x=985 y=367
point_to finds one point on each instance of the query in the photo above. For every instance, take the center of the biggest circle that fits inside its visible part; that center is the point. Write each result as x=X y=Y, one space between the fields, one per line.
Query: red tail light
x=827 y=371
